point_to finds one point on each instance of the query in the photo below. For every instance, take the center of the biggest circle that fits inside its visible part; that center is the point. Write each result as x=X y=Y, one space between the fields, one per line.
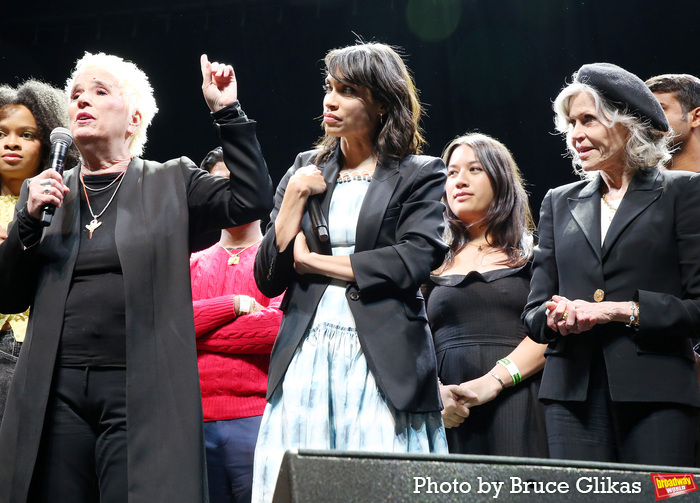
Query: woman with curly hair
x=28 y=114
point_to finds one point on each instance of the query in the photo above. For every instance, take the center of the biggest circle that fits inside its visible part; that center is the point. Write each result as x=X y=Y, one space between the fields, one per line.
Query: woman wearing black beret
x=615 y=290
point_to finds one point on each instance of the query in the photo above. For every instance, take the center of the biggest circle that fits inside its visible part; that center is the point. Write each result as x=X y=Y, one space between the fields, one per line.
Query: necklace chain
x=480 y=246
x=95 y=223
x=103 y=188
x=234 y=258
x=610 y=207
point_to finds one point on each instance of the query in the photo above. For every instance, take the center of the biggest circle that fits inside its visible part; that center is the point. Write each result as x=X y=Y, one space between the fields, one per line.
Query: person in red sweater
x=236 y=326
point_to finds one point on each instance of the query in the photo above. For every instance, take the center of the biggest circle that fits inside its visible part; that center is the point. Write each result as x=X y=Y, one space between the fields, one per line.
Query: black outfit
x=9 y=352
x=160 y=207
x=85 y=428
x=475 y=321
x=650 y=254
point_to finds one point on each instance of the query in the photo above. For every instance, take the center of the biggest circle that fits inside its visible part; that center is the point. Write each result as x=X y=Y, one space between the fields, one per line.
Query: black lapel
x=586 y=212
x=645 y=188
x=381 y=188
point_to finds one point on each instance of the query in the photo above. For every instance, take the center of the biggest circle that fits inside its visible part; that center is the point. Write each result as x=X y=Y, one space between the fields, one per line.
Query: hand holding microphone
x=46 y=190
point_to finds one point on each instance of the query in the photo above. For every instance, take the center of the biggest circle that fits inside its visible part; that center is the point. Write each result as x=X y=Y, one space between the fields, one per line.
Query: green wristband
x=512 y=369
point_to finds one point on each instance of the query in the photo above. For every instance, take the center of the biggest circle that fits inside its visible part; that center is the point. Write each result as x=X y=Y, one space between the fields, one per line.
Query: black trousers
x=82 y=456
x=623 y=432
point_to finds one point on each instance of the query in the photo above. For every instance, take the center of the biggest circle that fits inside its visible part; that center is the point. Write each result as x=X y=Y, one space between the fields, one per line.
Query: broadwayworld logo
x=672 y=484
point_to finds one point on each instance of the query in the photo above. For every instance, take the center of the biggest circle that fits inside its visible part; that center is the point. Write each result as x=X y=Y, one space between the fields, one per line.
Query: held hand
x=219 y=84
x=3 y=234
x=45 y=188
x=483 y=389
x=455 y=406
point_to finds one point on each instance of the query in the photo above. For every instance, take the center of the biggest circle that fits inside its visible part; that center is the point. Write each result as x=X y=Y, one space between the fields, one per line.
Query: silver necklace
x=103 y=188
x=94 y=223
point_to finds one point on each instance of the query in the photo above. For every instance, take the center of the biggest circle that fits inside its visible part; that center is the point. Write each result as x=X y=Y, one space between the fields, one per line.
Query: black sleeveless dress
x=475 y=321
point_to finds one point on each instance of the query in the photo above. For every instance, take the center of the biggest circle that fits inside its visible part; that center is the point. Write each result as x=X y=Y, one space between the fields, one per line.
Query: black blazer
x=398 y=244
x=651 y=254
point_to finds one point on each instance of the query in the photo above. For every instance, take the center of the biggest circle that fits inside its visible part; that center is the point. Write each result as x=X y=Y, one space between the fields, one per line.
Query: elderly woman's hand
x=219 y=84
x=574 y=317
x=45 y=188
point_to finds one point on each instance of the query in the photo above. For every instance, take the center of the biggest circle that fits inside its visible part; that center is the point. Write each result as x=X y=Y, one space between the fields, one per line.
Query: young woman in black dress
x=489 y=368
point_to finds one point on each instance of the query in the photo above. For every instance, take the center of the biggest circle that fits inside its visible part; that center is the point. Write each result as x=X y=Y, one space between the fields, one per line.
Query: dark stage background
x=487 y=65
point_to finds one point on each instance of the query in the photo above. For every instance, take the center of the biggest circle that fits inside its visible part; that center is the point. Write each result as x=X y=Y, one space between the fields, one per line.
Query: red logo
x=672 y=484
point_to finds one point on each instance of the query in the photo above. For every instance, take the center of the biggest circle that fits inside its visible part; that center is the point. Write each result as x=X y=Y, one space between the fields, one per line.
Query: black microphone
x=317 y=219
x=61 y=139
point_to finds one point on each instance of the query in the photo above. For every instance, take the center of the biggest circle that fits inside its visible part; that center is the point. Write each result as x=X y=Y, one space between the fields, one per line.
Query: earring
x=381 y=119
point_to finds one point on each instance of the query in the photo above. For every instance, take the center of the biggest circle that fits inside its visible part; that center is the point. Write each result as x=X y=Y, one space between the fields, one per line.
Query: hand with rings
x=45 y=188
x=561 y=315
x=574 y=317
x=46 y=183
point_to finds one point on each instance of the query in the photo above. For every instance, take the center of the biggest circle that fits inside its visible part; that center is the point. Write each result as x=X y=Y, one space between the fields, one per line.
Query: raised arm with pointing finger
x=109 y=284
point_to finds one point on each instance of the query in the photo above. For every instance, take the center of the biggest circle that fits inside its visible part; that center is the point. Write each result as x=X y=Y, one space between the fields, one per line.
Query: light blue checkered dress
x=328 y=398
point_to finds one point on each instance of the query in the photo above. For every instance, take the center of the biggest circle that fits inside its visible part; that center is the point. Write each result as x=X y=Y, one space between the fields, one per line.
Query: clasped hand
x=456 y=401
x=576 y=316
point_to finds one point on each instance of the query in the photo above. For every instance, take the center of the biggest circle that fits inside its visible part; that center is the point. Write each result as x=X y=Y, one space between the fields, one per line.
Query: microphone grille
x=61 y=134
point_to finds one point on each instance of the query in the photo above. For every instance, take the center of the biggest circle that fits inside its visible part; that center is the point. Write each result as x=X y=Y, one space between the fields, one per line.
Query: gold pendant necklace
x=234 y=258
x=480 y=246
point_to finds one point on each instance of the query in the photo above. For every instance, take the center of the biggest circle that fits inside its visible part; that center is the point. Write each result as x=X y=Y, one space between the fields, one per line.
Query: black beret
x=624 y=90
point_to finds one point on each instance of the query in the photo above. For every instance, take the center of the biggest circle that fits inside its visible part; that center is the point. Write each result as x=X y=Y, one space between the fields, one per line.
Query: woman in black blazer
x=615 y=290
x=353 y=366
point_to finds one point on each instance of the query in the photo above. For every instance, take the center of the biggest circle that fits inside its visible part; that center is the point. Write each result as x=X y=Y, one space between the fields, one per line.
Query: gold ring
x=565 y=315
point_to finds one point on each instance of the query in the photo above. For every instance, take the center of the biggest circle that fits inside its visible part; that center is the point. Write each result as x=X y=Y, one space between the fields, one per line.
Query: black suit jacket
x=651 y=254
x=398 y=243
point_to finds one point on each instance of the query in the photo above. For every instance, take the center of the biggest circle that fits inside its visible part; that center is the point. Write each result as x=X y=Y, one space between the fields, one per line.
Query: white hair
x=135 y=89
x=645 y=148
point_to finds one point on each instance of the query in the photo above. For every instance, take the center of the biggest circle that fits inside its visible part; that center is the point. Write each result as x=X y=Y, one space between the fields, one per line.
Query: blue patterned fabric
x=329 y=398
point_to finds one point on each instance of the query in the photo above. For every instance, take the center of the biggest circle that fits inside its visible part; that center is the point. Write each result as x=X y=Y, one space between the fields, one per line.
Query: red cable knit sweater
x=233 y=353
